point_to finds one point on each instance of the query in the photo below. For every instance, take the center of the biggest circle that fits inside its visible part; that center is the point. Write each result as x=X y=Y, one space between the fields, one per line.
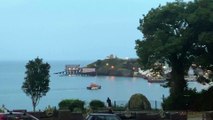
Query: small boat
x=156 y=80
x=93 y=86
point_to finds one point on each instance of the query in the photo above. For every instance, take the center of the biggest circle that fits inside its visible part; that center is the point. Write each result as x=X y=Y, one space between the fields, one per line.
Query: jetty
x=75 y=69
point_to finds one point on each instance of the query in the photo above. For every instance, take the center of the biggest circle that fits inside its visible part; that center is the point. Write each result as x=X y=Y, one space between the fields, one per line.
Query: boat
x=157 y=81
x=93 y=86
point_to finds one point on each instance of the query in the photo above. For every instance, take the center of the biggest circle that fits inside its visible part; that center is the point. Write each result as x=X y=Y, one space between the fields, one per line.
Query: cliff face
x=115 y=67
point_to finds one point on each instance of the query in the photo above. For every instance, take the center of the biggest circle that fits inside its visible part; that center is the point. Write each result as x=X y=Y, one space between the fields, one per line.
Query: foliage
x=115 y=67
x=96 y=104
x=203 y=101
x=1 y=110
x=175 y=103
x=177 y=34
x=36 y=83
x=77 y=106
x=192 y=100
x=64 y=104
x=74 y=105
x=164 y=30
x=139 y=102
x=201 y=19
x=50 y=111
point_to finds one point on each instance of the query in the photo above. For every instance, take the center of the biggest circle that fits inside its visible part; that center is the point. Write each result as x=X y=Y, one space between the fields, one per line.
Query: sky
x=71 y=29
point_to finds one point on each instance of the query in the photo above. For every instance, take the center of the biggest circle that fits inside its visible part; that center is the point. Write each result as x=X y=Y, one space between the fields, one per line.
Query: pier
x=73 y=70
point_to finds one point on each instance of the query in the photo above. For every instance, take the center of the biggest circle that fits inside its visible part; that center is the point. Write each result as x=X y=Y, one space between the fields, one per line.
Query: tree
x=172 y=35
x=37 y=80
x=201 y=22
x=164 y=40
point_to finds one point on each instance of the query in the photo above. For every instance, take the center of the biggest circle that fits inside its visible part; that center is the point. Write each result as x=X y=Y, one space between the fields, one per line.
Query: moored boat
x=93 y=86
x=156 y=80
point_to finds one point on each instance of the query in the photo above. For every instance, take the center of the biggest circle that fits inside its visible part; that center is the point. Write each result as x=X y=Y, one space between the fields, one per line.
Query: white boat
x=93 y=86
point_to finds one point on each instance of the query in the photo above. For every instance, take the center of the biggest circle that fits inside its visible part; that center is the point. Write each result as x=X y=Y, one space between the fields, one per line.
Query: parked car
x=17 y=116
x=102 y=116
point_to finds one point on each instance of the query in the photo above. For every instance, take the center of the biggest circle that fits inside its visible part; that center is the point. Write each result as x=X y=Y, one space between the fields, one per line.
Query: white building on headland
x=111 y=56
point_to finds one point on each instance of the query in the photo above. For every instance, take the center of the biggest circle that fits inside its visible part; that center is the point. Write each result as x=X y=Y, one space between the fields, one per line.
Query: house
x=72 y=69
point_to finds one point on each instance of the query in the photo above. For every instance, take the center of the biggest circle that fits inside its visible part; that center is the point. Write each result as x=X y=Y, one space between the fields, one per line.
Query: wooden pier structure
x=71 y=70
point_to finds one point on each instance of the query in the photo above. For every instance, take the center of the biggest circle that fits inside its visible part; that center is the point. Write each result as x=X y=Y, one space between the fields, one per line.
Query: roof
x=18 y=114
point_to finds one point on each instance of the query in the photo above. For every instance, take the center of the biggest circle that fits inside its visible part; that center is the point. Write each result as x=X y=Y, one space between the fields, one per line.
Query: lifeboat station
x=71 y=70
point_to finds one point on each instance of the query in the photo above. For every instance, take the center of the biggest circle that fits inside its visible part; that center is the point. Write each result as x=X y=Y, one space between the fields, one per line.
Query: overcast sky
x=71 y=29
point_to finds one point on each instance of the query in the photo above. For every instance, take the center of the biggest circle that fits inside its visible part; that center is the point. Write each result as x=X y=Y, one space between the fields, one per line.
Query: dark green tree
x=201 y=22
x=173 y=35
x=164 y=39
x=36 y=83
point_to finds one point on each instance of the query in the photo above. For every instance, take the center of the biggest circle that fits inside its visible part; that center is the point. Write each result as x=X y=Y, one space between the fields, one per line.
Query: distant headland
x=110 y=66
x=114 y=66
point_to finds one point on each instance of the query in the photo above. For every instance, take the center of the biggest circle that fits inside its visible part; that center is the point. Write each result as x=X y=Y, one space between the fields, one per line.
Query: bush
x=96 y=104
x=74 y=105
x=192 y=100
x=139 y=102
x=184 y=101
x=205 y=100
x=64 y=104
x=1 y=110
x=50 y=111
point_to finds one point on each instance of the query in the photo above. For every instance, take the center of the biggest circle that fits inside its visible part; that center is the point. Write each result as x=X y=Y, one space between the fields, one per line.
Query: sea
x=118 y=89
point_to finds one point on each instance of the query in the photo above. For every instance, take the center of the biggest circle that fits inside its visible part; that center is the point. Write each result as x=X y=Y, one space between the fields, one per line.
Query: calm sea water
x=119 y=89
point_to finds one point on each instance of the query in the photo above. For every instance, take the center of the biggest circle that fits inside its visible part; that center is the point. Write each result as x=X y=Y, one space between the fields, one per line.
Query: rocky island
x=113 y=66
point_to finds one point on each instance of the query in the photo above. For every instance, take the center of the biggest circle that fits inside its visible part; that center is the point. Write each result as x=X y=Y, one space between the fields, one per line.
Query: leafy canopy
x=179 y=34
x=36 y=82
x=164 y=30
